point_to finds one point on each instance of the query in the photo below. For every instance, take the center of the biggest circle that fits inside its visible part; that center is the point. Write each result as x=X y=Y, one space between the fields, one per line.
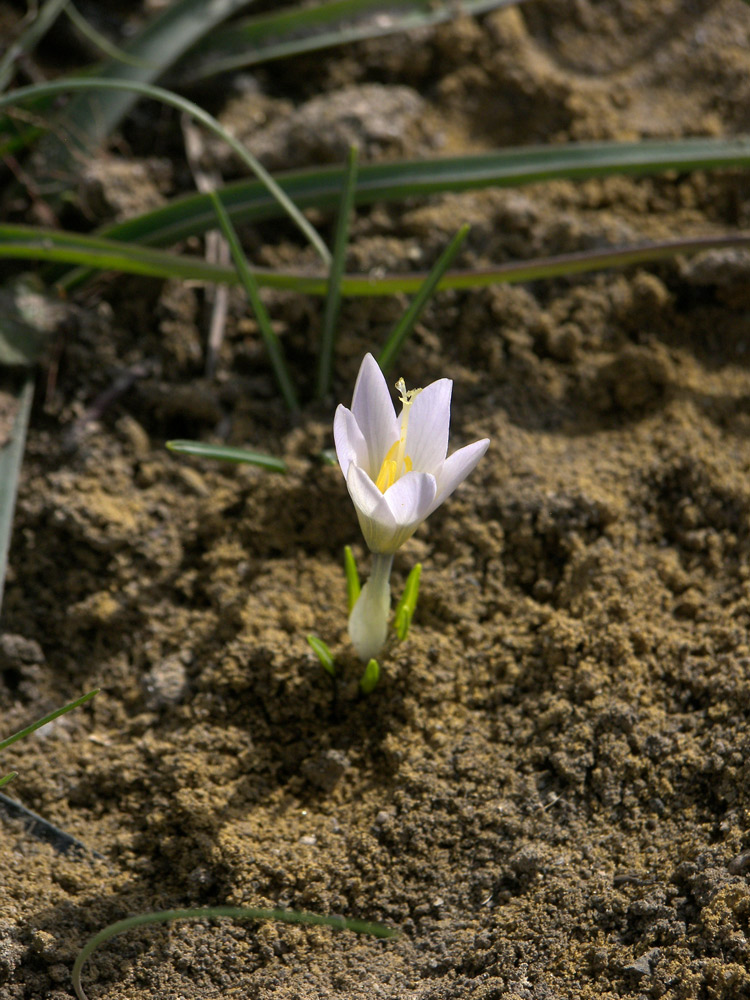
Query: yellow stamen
x=388 y=470
x=396 y=459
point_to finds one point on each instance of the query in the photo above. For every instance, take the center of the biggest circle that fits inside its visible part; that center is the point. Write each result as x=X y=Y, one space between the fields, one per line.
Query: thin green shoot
x=225 y=453
x=188 y=107
x=370 y=677
x=398 y=336
x=407 y=605
x=335 y=274
x=323 y=653
x=273 y=347
x=48 y=718
x=8 y=777
x=352 y=577
x=209 y=912
x=103 y=43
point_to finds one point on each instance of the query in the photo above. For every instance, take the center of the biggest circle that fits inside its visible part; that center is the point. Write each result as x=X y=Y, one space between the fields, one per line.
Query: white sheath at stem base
x=368 y=622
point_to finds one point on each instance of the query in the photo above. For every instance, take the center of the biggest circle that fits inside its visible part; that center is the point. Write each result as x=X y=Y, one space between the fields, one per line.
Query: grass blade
x=103 y=43
x=48 y=718
x=226 y=454
x=31 y=243
x=182 y=104
x=249 y=202
x=397 y=337
x=101 y=254
x=36 y=30
x=205 y=913
x=295 y=30
x=90 y=118
x=275 y=353
x=8 y=777
x=11 y=456
x=335 y=274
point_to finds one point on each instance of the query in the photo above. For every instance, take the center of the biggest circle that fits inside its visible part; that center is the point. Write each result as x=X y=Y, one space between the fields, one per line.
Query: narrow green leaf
x=8 y=777
x=275 y=353
x=352 y=577
x=407 y=605
x=35 y=31
x=209 y=912
x=335 y=274
x=370 y=677
x=398 y=336
x=53 y=245
x=182 y=104
x=11 y=456
x=34 y=243
x=323 y=653
x=224 y=453
x=294 y=30
x=48 y=718
x=91 y=118
x=104 y=45
x=248 y=201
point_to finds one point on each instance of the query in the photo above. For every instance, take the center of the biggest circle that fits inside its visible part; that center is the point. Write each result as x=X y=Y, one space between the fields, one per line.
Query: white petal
x=427 y=430
x=350 y=444
x=456 y=468
x=410 y=500
x=410 y=496
x=375 y=518
x=373 y=410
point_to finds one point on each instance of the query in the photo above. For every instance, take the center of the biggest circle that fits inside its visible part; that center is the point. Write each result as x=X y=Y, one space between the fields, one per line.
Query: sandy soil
x=549 y=792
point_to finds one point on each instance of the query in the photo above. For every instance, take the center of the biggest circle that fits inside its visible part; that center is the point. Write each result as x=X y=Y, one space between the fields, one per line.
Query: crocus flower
x=397 y=473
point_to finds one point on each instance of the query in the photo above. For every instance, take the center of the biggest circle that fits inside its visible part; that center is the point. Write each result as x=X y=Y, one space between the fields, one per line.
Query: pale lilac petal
x=427 y=430
x=410 y=501
x=410 y=496
x=350 y=443
x=375 y=518
x=456 y=468
x=373 y=410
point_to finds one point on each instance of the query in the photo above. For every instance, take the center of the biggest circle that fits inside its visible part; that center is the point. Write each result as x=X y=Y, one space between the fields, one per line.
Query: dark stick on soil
x=40 y=828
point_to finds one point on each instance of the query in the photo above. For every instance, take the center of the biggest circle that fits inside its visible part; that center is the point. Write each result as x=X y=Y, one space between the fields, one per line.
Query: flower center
x=396 y=461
